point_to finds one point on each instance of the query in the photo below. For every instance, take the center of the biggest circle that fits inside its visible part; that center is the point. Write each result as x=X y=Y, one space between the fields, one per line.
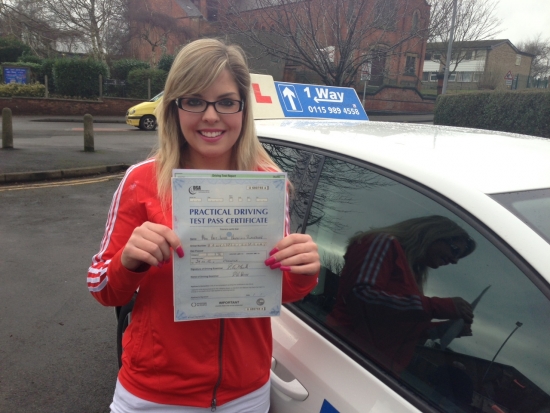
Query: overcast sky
x=522 y=20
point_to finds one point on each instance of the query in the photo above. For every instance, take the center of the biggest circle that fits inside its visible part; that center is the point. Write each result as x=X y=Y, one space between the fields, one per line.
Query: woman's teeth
x=211 y=134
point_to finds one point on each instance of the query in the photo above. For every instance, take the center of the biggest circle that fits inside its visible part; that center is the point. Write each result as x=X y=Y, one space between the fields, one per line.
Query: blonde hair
x=417 y=234
x=195 y=68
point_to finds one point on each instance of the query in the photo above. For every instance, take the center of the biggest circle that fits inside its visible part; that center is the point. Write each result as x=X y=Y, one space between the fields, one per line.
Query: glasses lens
x=192 y=104
x=228 y=106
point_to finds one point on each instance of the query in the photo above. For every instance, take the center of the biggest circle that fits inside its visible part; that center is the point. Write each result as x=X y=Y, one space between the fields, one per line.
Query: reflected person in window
x=380 y=303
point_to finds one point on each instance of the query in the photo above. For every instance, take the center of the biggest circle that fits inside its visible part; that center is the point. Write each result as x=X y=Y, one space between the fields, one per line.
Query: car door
x=322 y=362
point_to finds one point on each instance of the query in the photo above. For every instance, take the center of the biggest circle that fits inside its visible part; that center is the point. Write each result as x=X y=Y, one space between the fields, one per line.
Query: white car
x=351 y=176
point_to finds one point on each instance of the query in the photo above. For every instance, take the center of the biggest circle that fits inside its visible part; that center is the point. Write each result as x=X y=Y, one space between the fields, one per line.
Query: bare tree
x=475 y=20
x=90 y=18
x=155 y=27
x=540 y=48
x=331 y=38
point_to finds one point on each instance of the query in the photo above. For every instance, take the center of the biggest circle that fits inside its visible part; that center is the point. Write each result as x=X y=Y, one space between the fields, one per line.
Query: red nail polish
x=270 y=261
x=273 y=251
x=179 y=251
x=276 y=265
x=159 y=265
x=285 y=268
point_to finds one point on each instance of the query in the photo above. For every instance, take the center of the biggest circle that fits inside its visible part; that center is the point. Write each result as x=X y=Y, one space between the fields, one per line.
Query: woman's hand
x=296 y=253
x=464 y=309
x=150 y=244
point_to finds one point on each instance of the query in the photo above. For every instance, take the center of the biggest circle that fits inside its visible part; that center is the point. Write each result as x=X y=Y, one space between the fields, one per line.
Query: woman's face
x=444 y=252
x=211 y=135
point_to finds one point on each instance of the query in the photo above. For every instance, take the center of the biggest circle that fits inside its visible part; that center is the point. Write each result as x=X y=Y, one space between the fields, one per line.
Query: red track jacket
x=192 y=363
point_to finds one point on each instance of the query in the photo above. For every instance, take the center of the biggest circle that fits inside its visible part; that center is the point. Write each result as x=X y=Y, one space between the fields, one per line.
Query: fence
x=529 y=82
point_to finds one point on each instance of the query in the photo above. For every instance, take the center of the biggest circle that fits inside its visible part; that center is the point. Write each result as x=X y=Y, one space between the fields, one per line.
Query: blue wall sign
x=328 y=408
x=15 y=75
x=316 y=101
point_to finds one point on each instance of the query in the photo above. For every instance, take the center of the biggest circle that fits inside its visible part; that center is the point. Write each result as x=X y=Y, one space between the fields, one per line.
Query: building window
x=468 y=55
x=425 y=76
x=464 y=76
x=436 y=57
x=410 y=66
x=385 y=14
x=476 y=76
x=518 y=59
x=433 y=77
x=415 y=20
x=212 y=10
x=480 y=54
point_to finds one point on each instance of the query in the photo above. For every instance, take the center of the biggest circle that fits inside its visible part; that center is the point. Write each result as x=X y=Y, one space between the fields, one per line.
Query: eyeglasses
x=223 y=106
x=456 y=251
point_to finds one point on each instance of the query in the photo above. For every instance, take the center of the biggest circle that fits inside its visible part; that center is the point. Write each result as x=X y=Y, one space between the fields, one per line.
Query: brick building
x=162 y=26
x=481 y=64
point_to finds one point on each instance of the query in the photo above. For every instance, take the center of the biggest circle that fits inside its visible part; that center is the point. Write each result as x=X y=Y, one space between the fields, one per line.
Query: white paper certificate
x=227 y=221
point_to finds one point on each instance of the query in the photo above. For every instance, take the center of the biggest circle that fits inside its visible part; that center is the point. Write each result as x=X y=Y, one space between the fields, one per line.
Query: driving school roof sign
x=296 y=100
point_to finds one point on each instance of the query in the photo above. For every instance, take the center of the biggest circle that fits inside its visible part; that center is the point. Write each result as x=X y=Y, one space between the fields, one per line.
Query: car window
x=398 y=272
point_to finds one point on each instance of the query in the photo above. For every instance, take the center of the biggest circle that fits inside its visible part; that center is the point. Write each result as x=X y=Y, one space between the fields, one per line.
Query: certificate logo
x=194 y=189
x=260 y=301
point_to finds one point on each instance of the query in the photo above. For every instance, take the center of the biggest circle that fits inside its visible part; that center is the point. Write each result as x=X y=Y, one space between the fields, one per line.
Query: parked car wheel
x=148 y=122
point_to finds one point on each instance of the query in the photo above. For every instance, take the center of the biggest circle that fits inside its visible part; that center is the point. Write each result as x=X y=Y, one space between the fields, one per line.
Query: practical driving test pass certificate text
x=227 y=221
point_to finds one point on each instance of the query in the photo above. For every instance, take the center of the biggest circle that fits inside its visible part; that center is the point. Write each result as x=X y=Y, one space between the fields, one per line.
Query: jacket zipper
x=220 y=364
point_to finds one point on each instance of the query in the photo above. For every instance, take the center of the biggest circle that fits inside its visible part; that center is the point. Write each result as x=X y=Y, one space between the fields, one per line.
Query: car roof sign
x=277 y=100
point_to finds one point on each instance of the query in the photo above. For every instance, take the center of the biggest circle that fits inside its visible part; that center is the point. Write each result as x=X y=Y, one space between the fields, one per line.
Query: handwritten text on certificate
x=227 y=221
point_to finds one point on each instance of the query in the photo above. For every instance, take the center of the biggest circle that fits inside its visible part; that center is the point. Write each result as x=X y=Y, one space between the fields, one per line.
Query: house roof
x=189 y=8
x=476 y=44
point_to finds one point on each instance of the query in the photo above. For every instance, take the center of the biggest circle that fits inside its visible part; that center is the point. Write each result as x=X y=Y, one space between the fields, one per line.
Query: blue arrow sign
x=316 y=101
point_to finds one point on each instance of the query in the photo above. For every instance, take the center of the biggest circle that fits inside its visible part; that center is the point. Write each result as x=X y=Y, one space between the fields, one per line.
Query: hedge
x=78 y=77
x=137 y=82
x=526 y=112
x=16 y=89
x=121 y=68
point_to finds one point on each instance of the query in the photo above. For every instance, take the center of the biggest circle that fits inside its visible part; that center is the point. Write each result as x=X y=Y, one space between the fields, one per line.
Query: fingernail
x=270 y=261
x=276 y=265
x=179 y=251
x=273 y=251
x=159 y=265
x=285 y=268
x=167 y=261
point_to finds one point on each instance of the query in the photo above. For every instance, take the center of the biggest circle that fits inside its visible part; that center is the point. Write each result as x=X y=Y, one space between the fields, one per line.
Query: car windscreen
x=531 y=207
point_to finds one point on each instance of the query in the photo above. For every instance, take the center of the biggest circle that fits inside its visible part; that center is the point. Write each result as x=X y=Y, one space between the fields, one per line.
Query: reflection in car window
x=389 y=287
x=531 y=207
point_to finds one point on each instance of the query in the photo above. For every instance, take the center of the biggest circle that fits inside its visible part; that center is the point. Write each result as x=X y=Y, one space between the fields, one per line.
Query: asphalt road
x=57 y=344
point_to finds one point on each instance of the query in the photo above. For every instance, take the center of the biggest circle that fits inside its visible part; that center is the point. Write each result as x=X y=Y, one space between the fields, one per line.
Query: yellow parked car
x=143 y=115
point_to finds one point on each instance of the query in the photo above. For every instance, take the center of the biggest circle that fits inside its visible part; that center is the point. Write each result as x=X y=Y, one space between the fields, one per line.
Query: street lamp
x=449 y=50
x=518 y=325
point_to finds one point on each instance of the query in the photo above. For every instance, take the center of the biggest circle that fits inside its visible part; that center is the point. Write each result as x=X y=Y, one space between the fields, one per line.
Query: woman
x=380 y=302
x=204 y=122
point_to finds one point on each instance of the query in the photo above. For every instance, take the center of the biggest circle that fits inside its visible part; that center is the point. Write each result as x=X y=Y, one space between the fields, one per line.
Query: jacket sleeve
x=383 y=286
x=108 y=280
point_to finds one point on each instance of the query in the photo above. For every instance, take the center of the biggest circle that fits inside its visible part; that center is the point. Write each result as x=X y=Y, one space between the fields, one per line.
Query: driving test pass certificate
x=227 y=221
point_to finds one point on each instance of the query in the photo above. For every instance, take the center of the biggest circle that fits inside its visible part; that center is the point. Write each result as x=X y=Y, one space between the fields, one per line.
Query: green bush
x=137 y=82
x=165 y=62
x=30 y=58
x=16 y=89
x=121 y=68
x=526 y=112
x=11 y=48
x=47 y=70
x=78 y=77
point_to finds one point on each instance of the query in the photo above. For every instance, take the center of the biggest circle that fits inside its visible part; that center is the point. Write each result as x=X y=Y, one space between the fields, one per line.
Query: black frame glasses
x=218 y=105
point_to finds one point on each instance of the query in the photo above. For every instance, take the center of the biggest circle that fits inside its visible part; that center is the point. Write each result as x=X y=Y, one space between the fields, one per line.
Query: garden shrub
x=11 y=48
x=165 y=62
x=526 y=112
x=78 y=77
x=121 y=68
x=16 y=89
x=137 y=82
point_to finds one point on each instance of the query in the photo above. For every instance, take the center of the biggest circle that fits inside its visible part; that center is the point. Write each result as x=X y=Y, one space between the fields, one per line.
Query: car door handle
x=292 y=389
